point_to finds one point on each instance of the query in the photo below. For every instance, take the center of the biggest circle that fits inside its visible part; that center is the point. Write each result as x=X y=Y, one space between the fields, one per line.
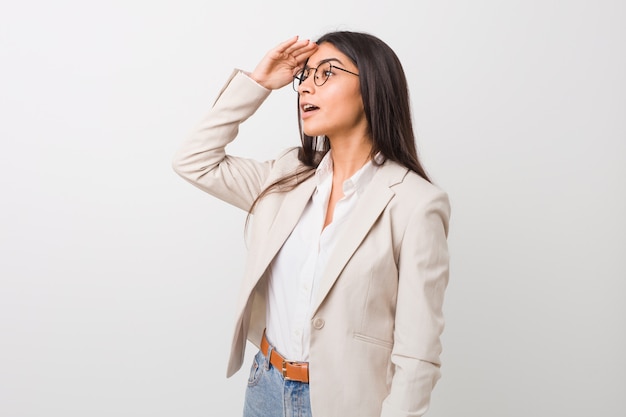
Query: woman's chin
x=310 y=128
x=312 y=132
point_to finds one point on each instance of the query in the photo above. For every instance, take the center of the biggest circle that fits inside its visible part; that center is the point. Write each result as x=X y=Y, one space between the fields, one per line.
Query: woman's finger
x=305 y=51
x=299 y=45
x=284 y=46
x=278 y=66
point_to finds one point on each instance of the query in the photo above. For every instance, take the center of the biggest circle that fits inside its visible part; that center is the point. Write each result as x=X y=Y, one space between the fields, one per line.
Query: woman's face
x=334 y=109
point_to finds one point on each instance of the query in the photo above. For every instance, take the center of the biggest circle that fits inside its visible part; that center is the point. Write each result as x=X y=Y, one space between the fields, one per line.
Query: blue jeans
x=270 y=395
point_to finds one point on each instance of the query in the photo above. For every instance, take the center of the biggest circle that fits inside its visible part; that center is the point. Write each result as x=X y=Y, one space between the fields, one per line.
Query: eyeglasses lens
x=320 y=75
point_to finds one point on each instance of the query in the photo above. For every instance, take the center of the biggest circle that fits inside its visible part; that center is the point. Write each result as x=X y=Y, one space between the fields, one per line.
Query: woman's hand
x=280 y=64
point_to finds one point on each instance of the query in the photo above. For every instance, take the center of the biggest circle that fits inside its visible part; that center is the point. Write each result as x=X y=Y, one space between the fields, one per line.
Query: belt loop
x=270 y=349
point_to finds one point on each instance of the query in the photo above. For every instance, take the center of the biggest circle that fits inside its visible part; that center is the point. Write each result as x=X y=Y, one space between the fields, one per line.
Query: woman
x=348 y=260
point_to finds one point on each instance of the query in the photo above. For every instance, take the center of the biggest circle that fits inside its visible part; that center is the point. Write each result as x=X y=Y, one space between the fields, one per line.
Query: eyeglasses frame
x=308 y=70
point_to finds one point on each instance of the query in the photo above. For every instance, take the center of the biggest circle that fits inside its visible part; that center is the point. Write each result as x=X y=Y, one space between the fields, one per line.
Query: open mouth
x=309 y=107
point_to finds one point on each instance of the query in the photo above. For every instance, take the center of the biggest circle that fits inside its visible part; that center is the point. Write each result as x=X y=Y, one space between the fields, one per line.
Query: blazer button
x=318 y=323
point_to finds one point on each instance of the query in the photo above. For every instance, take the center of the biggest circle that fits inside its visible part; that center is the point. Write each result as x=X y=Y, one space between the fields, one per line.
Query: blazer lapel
x=369 y=207
x=284 y=222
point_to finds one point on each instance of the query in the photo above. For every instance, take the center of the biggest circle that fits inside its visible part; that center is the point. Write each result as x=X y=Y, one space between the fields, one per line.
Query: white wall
x=118 y=279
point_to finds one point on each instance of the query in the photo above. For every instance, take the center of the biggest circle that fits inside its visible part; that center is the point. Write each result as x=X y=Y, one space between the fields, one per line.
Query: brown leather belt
x=292 y=371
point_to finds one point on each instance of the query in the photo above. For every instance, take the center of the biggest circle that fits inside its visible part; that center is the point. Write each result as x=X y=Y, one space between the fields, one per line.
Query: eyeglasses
x=320 y=74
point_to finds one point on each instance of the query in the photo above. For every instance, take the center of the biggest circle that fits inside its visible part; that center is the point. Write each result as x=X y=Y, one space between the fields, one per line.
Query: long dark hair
x=385 y=96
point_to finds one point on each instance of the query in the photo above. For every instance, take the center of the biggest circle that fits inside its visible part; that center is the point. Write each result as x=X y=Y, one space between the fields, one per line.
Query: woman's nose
x=307 y=86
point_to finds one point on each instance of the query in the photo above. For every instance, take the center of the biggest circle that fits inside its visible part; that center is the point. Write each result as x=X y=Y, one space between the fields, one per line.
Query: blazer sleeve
x=423 y=276
x=202 y=159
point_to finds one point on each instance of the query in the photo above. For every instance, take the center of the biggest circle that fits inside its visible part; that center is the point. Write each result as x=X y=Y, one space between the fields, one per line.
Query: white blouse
x=296 y=270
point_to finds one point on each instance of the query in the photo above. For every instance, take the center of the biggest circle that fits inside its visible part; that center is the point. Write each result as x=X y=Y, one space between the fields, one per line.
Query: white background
x=118 y=279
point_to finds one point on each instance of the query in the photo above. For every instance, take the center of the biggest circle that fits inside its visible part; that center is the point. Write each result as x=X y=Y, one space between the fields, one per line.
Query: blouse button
x=318 y=323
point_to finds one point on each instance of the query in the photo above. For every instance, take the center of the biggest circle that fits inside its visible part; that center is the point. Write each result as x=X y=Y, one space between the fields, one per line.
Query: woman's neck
x=349 y=156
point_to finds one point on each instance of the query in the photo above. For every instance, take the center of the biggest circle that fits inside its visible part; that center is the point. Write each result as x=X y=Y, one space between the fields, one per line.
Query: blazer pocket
x=373 y=340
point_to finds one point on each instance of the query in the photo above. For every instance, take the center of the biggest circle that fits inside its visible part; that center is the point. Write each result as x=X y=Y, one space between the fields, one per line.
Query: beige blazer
x=375 y=331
